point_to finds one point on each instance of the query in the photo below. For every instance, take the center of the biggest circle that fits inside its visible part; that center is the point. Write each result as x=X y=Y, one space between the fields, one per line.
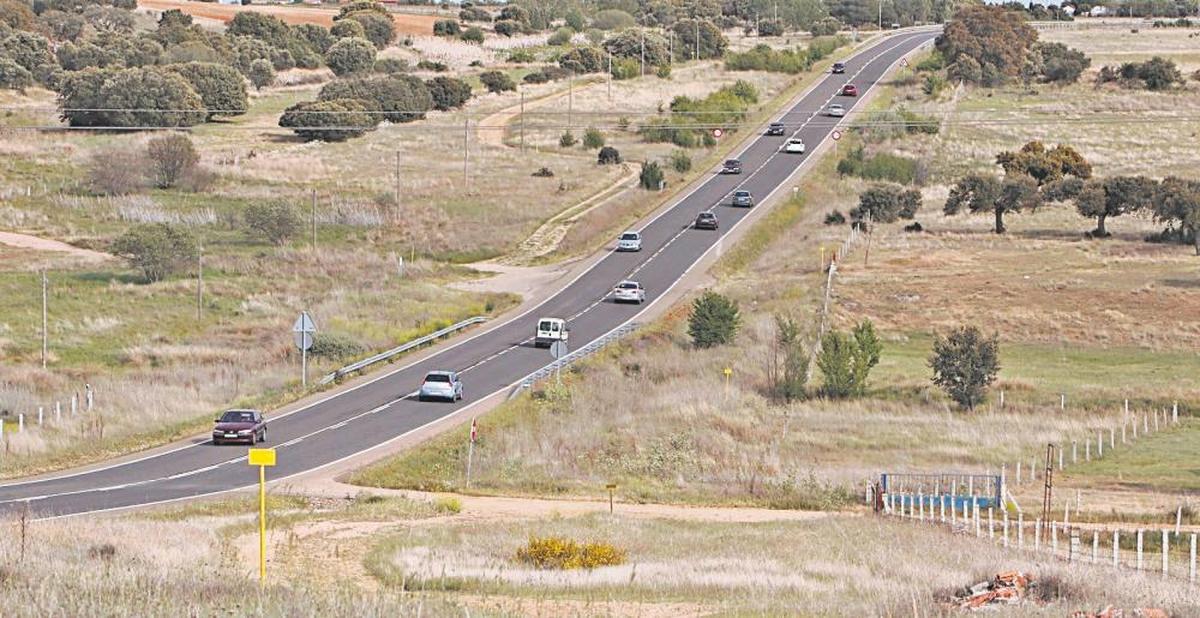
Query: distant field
x=406 y=23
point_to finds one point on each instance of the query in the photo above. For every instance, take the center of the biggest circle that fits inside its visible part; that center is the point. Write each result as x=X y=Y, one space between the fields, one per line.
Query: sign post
x=303 y=332
x=728 y=371
x=558 y=350
x=262 y=457
x=611 y=487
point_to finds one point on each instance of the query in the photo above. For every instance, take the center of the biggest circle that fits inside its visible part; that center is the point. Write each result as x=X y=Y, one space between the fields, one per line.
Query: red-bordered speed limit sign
x=836 y=135
x=717 y=133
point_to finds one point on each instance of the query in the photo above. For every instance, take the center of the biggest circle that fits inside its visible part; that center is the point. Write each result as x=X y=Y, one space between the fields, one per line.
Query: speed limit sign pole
x=303 y=331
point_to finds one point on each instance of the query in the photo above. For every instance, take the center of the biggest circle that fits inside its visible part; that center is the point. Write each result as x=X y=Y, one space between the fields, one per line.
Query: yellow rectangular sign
x=262 y=457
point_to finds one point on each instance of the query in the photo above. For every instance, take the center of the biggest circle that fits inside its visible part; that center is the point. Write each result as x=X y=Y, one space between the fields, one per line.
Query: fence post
x=1087 y=450
x=1140 y=562
x=1165 y=541
x=1074 y=452
x=1175 y=412
x=942 y=502
x=1156 y=421
x=921 y=498
x=1060 y=458
x=1095 y=546
x=975 y=508
x=1134 y=427
x=1020 y=531
x=991 y=525
x=40 y=409
x=1054 y=537
x=21 y=422
x=58 y=411
x=1037 y=534
x=1073 y=546
x=1112 y=438
x=1018 y=471
x=74 y=403
x=1116 y=548
x=1145 y=424
x=1005 y=511
x=1192 y=560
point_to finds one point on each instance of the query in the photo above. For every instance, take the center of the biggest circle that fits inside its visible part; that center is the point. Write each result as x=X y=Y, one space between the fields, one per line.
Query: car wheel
x=216 y=442
x=263 y=437
x=421 y=398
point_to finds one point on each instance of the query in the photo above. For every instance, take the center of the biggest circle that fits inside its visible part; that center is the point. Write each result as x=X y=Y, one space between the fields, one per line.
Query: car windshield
x=796 y=141
x=628 y=285
x=707 y=215
x=835 y=106
x=778 y=125
x=437 y=377
x=629 y=236
x=732 y=162
x=237 y=416
x=742 y=194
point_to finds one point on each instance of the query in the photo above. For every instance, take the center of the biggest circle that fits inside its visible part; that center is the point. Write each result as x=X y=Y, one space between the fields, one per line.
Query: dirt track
x=406 y=23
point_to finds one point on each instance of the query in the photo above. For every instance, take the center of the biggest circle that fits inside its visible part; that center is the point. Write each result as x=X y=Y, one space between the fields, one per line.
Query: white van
x=550 y=330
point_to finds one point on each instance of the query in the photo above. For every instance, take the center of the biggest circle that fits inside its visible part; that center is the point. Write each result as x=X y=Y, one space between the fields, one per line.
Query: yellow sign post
x=728 y=372
x=262 y=457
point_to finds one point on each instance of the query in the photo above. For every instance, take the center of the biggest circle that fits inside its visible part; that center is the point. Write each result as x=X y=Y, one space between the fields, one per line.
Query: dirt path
x=482 y=508
x=406 y=23
x=25 y=241
x=490 y=131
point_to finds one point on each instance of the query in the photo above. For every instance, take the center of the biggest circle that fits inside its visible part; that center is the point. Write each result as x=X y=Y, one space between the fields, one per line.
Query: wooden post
x=1074 y=452
x=1175 y=412
x=975 y=509
x=1073 y=546
x=1060 y=459
x=1005 y=511
x=1037 y=534
x=45 y=320
x=1145 y=424
x=1165 y=541
x=991 y=525
x=1116 y=548
x=1112 y=440
x=921 y=498
x=313 y=220
x=1192 y=561
x=1140 y=539
x=1054 y=537
x=1018 y=472
x=1020 y=531
x=1087 y=450
x=1135 y=428
x=942 y=500
x=1095 y=546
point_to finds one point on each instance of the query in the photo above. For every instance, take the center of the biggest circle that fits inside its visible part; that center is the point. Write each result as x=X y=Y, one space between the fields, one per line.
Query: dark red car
x=849 y=90
x=246 y=426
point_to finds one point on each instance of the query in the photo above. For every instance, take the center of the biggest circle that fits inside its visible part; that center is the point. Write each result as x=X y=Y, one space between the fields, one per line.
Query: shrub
x=663 y=71
x=651 y=176
x=880 y=166
x=562 y=36
x=446 y=27
x=221 y=87
x=401 y=98
x=267 y=28
x=713 y=321
x=331 y=121
x=473 y=35
x=680 y=161
x=27 y=49
x=964 y=364
x=447 y=504
x=536 y=77
x=448 y=92
x=825 y=27
x=172 y=157
x=934 y=85
x=335 y=346
x=262 y=74
x=1060 y=63
x=158 y=250
x=473 y=13
x=608 y=156
x=14 y=76
x=712 y=43
x=315 y=36
x=613 y=19
x=835 y=218
x=378 y=28
x=764 y=58
x=846 y=360
x=543 y=172
x=567 y=139
x=886 y=203
x=770 y=27
x=432 y=65
x=116 y=171
x=559 y=553
x=521 y=55
x=348 y=29
x=389 y=66
x=507 y=28
x=275 y=221
x=350 y=55
x=934 y=62
x=583 y=60
x=496 y=81
x=626 y=68
x=637 y=44
x=593 y=138
x=160 y=99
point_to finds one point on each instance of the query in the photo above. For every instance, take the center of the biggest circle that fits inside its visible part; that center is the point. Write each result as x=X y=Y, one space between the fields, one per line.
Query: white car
x=629 y=241
x=795 y=146
x=629 y=292
x=836 y=110
x=443 y=385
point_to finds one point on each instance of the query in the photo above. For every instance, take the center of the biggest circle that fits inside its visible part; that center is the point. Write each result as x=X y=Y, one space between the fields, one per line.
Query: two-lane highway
x=380 y=410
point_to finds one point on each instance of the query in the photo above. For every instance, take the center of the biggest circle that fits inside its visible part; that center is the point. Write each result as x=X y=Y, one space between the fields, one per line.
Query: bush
x=608 y=156
x=826 y=27
x=448 y=505
x=567 y=139
x=964 y=364
x=764 y=58
x=378 y=28
x=172 y=157
x=275 y=221
x=473 y=35
x=1060 y=63
x=846 y=360
x=651 y=177
x=636 y=44
x=559 y=553
x=446 y=27
x=348 y=29
x=536 y=77
x=401 y=98
x=583 y=60
x=613 y=19
x=116 y=171
x=933 y=63
x=770 y=27
x=880 y=166
x=712 y=42
x=521 y=55
x=432 y=65
x=316 y=37
x=27 y=49
x=267 y=28
x=835 y=218
x=543 y=172
x=496 y=81
x=14 y=76
x=351 y=55
x=221 y=88
x=714 y=320
x=592 y=138
x=335 y=346
x=158 y=250
x=161 y=99
x=663 y=71
x=389 y=66
x=507 y=28
x=934 y=85
x=262 y=74
x=562 y=36
x=473 y=13
x=330 y=121
x=448 y=92
x=626 y=68
x=680 y=161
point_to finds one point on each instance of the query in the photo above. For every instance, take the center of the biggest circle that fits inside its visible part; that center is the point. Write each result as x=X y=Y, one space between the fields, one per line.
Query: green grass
x=228 y=507
x=1164 y=461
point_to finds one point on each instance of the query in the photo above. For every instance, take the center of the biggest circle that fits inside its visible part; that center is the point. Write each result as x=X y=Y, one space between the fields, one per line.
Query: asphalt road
x=351 y=421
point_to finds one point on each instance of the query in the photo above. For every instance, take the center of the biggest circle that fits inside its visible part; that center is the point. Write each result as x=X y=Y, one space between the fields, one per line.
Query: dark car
x=731 y=166
x=775 y=128
x=849 y=90
x=247 y=426
x=742 y=198
x=706 y=221
x=838 y=67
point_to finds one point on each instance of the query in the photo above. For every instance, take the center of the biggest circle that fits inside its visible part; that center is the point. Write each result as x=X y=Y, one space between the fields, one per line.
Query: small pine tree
x=651 y=177
x=567 y=139
x=714 y=320
x=592 y=139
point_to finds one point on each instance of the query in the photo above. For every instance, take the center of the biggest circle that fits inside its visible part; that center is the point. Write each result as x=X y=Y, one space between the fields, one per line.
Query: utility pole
x=313 y=218
x=45 y=321
x=643 y=54
x=199 y=282
x=1048 y=492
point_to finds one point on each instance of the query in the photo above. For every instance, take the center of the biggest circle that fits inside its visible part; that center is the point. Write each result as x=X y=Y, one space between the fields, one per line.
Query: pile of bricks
x=1008 y=588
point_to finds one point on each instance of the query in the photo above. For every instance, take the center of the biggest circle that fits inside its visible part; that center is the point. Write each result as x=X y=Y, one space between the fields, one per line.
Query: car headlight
x=246 y=431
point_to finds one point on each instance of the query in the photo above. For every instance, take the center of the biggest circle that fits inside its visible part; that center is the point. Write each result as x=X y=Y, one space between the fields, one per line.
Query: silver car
x=629 y=241
x=629 y=292
x=742 y=197
x=443 y=385
x=836 y=110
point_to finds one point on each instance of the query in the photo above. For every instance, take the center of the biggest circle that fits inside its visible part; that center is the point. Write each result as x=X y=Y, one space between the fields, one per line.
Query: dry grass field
x=406 y=22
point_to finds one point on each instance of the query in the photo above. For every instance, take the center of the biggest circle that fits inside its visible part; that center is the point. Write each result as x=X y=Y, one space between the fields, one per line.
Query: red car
x=247 y=426
x=849 y=90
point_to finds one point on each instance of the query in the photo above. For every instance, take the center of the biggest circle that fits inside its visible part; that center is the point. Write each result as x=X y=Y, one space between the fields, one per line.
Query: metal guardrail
x=415 y=343
x=587 y=350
